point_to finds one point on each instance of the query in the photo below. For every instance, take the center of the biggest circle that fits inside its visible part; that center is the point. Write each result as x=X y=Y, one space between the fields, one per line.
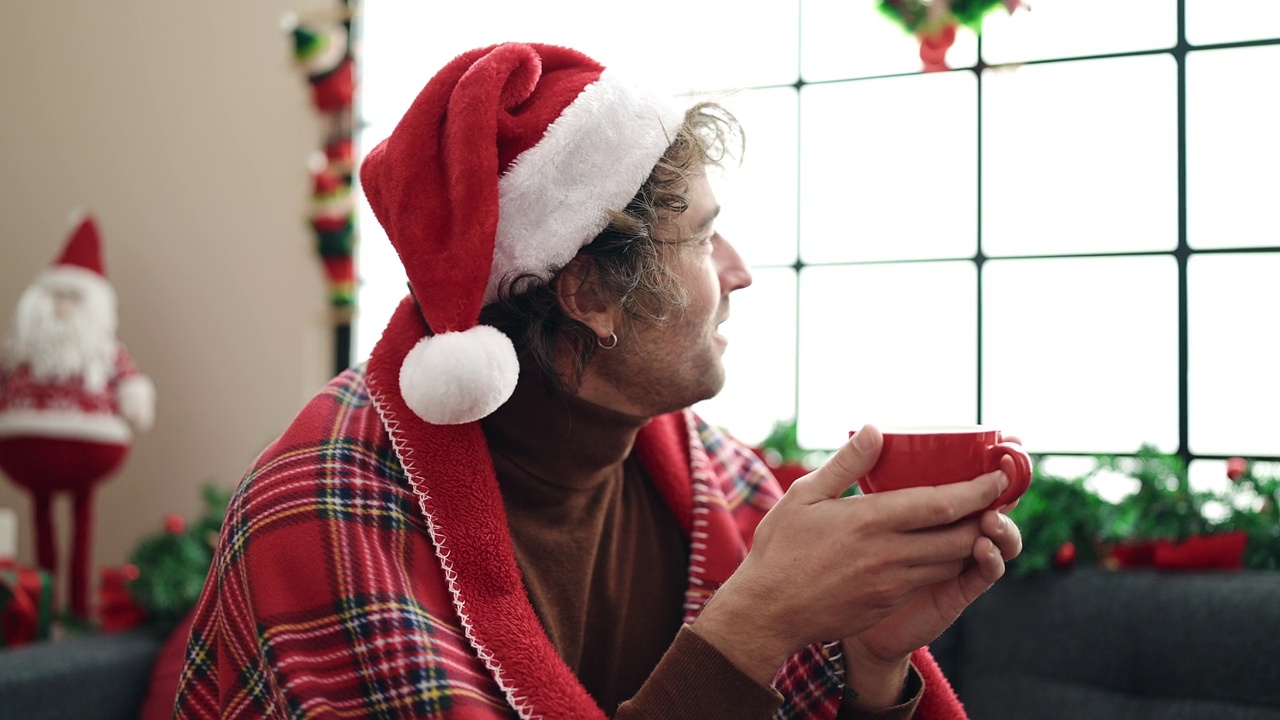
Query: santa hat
x=80 y=264
x=507 y=163
x=84 y=245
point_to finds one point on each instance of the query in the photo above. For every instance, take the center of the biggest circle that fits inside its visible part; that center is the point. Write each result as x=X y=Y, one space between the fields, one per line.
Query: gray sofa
x=1084 y=644
x=1131 y=645
x=94 y=677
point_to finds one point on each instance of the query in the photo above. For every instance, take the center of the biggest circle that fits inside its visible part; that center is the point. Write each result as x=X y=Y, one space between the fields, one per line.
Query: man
x=71 y=397
x=511 y=511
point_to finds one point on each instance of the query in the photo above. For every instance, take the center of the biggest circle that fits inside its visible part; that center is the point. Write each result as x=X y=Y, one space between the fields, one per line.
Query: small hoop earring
x=613 y=342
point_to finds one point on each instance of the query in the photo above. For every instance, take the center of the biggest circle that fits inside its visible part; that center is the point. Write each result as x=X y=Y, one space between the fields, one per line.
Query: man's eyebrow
x=711 y=218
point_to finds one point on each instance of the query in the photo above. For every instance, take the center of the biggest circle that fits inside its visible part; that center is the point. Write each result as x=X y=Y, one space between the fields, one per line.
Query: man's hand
x=876 y=659
x=824 y=567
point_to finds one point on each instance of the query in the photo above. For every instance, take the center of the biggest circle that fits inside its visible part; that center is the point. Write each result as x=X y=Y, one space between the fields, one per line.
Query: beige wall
x=185 y=128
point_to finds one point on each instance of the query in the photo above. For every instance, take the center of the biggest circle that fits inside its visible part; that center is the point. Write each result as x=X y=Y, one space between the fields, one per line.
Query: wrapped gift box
x=26 y=604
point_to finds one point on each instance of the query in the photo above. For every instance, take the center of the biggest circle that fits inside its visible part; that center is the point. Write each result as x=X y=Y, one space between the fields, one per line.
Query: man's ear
x=581 y=298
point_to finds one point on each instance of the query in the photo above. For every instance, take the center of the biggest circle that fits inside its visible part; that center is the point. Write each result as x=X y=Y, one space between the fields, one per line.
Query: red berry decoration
x=934 y=47
x=1065 y=556
x=174 y=524
x=1236 y=468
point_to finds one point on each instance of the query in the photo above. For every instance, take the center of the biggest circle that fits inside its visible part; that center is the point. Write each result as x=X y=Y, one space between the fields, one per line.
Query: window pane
x=1080 y=157
x=380 y=279
x=759 y=198
x=1233 y=311
x=882 y=177
x=380 y=284
x=1075 y=28
x=1081 y=355
x=1233 y=149
x=1208 y=476
x=850 y=38
x=404 y=43
x=1221 y=21
x=891 y=344
x=760 y=362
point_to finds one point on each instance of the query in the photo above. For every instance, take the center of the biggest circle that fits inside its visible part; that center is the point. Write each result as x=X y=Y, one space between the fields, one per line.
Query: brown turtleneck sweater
x=606 y=565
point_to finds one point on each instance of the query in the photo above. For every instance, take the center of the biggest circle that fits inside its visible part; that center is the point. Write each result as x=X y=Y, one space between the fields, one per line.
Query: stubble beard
x=657 y=382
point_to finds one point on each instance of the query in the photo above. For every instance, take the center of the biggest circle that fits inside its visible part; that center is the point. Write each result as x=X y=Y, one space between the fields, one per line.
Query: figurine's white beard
x=55 y=349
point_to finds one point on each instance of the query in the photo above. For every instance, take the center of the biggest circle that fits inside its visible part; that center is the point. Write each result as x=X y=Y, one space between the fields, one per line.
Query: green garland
x=914 y=16
x=172 y=563
x=1064 y=523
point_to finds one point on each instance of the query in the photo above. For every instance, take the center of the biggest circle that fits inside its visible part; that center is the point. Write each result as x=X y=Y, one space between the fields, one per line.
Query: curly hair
x=628 y=257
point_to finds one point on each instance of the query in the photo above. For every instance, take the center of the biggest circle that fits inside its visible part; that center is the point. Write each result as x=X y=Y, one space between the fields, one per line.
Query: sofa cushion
x=87 y=677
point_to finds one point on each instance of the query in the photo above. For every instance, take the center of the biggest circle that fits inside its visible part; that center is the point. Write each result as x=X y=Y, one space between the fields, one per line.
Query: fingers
x=987 y=569
x=1004 y=533
x=941 y=544
x=922 y=507
x=934 y=573
x=843 y=469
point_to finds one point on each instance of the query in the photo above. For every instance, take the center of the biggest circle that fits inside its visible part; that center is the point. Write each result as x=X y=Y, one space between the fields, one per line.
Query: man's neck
x=563 y=438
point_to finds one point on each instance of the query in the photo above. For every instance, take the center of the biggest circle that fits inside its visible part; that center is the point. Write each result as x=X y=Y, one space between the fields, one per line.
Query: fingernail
x=1003 y=480
x=862 y=439
x=1002 y=522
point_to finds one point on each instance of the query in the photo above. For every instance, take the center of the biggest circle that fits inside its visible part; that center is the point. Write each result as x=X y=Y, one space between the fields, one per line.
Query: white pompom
x=457 y=377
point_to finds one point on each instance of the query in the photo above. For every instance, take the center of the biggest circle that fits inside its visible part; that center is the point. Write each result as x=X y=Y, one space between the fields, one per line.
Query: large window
x=1072 y=234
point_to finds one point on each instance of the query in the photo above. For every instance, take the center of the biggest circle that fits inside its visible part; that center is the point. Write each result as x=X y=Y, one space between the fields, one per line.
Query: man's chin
x=714 y=385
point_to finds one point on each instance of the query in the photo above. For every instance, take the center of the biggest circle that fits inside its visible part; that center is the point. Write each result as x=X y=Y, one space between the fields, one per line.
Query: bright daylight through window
x=1069 y=235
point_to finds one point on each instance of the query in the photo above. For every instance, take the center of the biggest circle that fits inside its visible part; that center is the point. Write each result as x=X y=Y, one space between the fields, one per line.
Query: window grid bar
x=983 y=259
x=978 y=257
x=798 y=265
x=1183 y=251
x=1182 y=46
x=1198 y=456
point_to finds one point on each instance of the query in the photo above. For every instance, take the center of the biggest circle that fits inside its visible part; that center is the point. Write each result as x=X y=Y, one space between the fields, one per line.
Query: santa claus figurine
x=71 y=398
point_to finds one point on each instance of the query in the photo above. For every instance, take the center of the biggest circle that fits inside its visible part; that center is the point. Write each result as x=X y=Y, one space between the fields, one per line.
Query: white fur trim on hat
x=556 y=197
x=457 y=377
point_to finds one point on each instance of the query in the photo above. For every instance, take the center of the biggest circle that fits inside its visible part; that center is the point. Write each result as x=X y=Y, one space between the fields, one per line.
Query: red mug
x=925 y=456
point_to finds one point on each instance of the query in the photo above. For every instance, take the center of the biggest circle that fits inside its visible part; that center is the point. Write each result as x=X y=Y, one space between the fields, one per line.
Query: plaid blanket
x=364 y=570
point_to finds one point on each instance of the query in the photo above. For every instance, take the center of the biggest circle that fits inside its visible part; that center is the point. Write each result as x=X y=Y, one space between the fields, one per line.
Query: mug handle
x=1021 y=479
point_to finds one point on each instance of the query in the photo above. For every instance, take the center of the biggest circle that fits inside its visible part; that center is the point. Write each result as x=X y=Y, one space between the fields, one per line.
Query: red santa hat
x=507 y=163
x=80 y=265
x=84 y=245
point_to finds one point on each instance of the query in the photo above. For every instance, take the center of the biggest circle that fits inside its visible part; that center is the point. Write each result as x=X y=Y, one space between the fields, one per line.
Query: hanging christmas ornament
x=322 y=53
x=934 y=23
x=333 y=220
x=323 y=49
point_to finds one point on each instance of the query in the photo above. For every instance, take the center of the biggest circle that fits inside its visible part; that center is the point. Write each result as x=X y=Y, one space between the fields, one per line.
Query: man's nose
x=734 y=274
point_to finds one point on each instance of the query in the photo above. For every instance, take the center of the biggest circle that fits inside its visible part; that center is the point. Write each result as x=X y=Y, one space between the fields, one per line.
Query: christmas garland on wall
x=324 y=52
